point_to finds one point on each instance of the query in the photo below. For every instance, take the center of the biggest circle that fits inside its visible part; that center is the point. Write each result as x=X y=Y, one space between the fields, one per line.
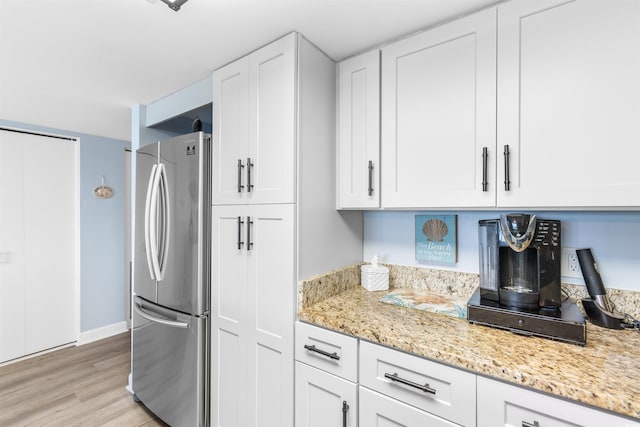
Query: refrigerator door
x=146 y=170
x=169 y=363
x=183 y=224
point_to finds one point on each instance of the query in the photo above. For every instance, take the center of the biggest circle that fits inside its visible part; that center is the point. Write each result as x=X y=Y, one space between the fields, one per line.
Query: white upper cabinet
x=231 y=132
x=254 y=135
x=358 y=150
x=569 y=103
x=438 y=115
x=535 y=108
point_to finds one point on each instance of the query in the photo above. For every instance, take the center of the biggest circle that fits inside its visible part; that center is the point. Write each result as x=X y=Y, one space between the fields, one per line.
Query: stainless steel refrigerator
x=171 y=324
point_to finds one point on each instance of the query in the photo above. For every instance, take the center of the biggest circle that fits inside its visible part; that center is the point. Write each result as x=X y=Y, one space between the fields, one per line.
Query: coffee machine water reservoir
x=520 y=289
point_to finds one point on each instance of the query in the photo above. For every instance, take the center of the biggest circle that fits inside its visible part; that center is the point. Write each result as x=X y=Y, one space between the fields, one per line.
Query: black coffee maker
x=520 y=261
x=520 y=289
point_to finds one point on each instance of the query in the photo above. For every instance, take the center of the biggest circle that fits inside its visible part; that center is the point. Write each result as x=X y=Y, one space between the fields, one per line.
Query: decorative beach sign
x=437 y=238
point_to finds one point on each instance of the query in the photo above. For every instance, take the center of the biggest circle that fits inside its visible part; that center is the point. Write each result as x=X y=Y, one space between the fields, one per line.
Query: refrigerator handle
x=173 y=323
x=165 y=230
x=153 y=223
x=147 y=221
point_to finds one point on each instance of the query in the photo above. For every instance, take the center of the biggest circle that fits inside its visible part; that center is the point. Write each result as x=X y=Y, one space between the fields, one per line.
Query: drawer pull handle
x=425 y=388
x=313 y=348
x=526 y=424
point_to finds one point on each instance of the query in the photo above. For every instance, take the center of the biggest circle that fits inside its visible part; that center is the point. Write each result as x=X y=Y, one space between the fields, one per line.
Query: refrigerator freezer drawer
x=170 y=363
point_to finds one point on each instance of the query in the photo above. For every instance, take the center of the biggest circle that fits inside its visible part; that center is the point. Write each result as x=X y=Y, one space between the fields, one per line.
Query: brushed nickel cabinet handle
x=249 y=226
x=345 y=409
x=485 y=156
x=240 y=167
x=240 y=224
x=249 y=167
x=425 y=388
x=313 y=348
x=370 y=177
x=507 y=182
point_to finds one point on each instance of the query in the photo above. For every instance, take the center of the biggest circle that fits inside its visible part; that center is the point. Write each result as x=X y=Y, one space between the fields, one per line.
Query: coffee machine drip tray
x=569 y=326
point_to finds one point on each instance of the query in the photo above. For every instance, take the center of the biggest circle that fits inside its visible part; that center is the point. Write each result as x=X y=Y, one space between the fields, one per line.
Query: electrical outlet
x=570 y=265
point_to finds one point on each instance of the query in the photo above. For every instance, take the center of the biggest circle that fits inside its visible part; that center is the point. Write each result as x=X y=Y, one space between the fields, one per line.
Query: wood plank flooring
x=74 y=386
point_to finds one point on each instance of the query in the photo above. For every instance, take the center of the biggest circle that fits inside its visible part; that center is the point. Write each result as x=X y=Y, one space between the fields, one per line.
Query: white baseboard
x=103 y=332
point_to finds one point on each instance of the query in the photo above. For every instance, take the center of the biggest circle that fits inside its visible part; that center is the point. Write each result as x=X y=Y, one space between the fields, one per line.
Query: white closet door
x=12 y=263
x=38 y=282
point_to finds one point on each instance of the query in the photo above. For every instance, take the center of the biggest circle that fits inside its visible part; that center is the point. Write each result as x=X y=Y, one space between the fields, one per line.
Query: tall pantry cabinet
x=273 y=223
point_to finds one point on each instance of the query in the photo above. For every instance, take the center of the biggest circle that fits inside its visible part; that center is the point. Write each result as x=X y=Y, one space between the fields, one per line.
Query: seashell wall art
x=436 y=238
x=435 y=229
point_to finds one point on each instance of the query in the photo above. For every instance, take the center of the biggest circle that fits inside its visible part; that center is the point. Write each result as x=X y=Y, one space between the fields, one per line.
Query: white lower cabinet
x=377 y=386
x=323 y=400
x=326 y=378
x=327 y=350
x=252 y=358
x=438 y=389
x=501 y=404
x=378 y=410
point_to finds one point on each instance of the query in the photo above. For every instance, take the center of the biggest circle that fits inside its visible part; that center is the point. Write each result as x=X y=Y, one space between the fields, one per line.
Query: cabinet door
x=358 y=152
x=270 y=312
x=322 y=399
x=271 y=153
x=382 y=411
x=568 y=107
x=501 y=404
x=228 y=319
x=230 y=132
x=438 y=113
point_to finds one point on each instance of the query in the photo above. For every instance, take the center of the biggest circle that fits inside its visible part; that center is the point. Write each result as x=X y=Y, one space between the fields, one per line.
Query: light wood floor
x=74 y=386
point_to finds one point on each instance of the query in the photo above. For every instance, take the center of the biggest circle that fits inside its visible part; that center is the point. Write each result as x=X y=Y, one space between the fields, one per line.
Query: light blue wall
x=102 y=228
x=614 y=238
x=102 y=236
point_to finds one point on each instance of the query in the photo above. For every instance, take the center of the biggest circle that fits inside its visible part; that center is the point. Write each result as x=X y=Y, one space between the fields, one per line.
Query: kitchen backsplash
x=444 y=282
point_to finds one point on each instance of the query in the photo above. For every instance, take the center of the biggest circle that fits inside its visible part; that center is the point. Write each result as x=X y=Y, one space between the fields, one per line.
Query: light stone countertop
x=604 y=374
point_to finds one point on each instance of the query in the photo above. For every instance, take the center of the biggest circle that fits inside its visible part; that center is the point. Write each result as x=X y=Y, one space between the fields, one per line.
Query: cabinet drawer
x=501 y=404
x=379 y=410
x=446 y=392
x=330 y=351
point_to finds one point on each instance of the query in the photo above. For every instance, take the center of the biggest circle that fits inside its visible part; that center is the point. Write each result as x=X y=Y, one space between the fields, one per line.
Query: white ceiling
x=80 y=65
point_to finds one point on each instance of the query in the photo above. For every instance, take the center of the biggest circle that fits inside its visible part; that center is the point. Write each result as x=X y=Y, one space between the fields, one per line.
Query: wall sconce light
x=174 y=4
x=103 y=191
